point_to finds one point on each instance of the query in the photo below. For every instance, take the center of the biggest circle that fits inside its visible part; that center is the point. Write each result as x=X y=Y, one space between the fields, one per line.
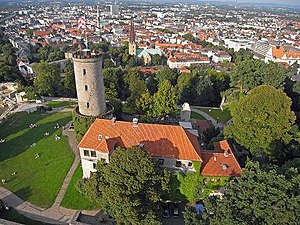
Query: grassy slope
x=73 y=198
x=57 y=104
x=13 y=215
x=37 y=180
x=195 y=115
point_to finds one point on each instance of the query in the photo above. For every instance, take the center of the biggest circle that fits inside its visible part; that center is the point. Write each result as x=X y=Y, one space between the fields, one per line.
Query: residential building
x=173 y=146
x=178 y=60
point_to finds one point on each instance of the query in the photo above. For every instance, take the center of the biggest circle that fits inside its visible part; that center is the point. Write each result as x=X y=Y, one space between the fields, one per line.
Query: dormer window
x=224 y=166
x=178 y=163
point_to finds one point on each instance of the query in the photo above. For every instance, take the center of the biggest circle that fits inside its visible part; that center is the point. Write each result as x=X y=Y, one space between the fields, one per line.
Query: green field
x=195 y=115
x=58 y=104
x=217 y=114
x=73 y=199
x=35 y=180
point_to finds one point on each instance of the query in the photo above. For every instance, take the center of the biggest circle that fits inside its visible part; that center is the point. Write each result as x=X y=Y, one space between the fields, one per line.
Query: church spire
x=132 y=33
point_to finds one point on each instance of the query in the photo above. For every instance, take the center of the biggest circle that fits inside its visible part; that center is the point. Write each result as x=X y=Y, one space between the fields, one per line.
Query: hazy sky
x=266 y=1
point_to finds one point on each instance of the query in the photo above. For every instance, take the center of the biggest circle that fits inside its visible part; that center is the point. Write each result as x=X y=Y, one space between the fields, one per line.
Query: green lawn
x=217 y=114
x=36 y=180
x=13 y=215
x=57 y=104
x=73 y=198
x=195 y=115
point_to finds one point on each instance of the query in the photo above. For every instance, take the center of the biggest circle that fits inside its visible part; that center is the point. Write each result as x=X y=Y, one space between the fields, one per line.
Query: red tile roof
x=218 y=164
x=159 y=140
x=222 y=146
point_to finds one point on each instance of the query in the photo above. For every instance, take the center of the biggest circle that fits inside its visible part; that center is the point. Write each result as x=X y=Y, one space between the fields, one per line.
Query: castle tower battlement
x=89 y=83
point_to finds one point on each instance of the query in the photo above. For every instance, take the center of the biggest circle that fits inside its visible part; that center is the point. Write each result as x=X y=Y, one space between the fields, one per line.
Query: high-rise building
x=89 y=83
x=114 y=10
x=98 y=18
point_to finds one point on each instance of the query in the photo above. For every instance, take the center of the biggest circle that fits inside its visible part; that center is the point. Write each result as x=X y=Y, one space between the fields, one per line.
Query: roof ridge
x=152 y=124
x=86 y=133
x=103 y=141
x=189 y=140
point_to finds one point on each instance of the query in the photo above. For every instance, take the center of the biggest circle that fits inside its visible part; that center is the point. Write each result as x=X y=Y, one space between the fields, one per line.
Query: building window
x=88 y=105
x=86 y=153
x=94 y=165
x=190 y=164
x=85 y=87
x=93 y=154
x=161 y=162
x=102 y=160
x=84 y=72
x=178 y=163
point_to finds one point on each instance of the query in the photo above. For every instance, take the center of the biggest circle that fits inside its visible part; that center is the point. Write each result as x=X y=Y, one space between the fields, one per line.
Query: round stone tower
x=89 y=83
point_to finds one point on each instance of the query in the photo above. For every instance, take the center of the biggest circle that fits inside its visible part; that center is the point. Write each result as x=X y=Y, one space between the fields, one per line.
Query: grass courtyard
x=217 y=114
x=58 y=104
x=73 y=199
x=36 y=180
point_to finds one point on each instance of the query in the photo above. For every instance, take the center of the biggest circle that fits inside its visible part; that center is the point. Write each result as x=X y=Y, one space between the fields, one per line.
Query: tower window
x=94 y=165
x=84 y=72
x=85 y=87
x=88 y=105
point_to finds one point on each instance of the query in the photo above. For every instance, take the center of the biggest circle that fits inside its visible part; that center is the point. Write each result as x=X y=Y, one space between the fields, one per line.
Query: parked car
x=166 y=211
x=175 y=210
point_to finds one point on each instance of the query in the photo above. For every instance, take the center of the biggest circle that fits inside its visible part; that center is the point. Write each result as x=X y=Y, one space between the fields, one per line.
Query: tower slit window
x=85 y=87
x=88 y=105
x=84 y=71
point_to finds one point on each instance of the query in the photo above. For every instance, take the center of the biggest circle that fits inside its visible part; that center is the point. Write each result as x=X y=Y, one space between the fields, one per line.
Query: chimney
x=113 y=120
x=215 y=158
x=135 y=122
x=99 y=137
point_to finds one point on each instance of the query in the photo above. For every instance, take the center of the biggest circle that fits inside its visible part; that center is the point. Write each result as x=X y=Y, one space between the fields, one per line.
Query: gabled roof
x=167 y=141
x=218 y=164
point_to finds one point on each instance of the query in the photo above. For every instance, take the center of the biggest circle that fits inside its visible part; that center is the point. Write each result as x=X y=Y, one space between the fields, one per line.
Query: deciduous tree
x=261 y=118
x=164 y=99
x=257 y=197
x=251 y=73
x=129 y=187
x=48 y=80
